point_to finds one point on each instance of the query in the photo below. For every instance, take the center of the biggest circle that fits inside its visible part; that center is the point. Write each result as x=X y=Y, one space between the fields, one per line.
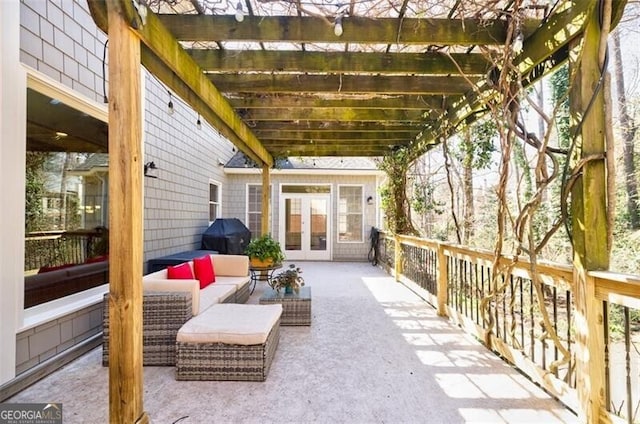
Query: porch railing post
x=589 y=209
x=266 y=200
x=443 y=277
x=397 y=263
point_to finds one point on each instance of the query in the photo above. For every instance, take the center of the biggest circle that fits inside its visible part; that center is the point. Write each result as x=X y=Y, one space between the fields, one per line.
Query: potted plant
x=289 y=280
x=264 y=252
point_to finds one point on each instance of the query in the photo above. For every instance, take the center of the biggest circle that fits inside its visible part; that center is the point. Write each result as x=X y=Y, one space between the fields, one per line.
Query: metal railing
x=528 y=317
x=55 y=248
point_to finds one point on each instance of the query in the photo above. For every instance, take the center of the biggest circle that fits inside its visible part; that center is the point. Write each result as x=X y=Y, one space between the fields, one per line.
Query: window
x=66 y=196
x=214 y=201
x=350 y=214
x=254 y=209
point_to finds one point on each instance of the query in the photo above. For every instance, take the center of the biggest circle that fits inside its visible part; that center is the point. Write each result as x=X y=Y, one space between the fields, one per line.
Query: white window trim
x=246 y=203
x=219 y=211
x=46 y=312
x=362 y=208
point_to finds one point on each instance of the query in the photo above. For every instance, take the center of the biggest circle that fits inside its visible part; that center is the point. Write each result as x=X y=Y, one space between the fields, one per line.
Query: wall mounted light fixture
x=149 y=166
x=370 y=200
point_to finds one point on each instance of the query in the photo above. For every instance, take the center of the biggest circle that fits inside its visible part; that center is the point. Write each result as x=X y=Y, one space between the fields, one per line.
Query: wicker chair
x=163 y=315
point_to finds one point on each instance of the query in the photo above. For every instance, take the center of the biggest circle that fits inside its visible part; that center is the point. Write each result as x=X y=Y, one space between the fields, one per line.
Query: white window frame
x=338 y=215
x=47 y=312
x=218 y=203
x=246 y=204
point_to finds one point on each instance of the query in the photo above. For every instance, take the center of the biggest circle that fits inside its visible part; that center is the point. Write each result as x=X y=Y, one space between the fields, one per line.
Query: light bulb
x=239 y=12
x=337 y=27
x=199 y=123
x=170 y=106
x=518 y=43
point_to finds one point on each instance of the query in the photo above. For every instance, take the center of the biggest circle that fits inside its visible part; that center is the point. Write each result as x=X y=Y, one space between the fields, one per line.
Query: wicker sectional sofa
x=169 y=304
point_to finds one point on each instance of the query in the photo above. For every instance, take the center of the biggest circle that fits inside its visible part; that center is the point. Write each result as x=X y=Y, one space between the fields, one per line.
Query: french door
x=304 y=226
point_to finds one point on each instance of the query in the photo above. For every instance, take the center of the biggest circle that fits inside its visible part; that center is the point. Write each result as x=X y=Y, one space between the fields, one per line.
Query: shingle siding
x=38 y=344
x=55 y=35
x=177 y=202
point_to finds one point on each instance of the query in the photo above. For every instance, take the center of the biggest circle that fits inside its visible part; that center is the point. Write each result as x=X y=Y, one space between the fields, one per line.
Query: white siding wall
x=60 y=39
x=236 y=201
x=177 y=202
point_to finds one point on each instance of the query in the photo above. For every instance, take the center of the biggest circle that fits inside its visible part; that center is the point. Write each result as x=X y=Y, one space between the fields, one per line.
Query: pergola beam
x=552 y=37
x=363 y=84
x=168 y=58
x=334 y=126
x=340 y=62
x=340 y=114
x=305 y=136
x=289 y=101
x=307 y=29
x=298 y=150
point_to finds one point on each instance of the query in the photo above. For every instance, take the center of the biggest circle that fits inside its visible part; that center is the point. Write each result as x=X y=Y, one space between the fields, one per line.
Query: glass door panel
x=318 y=220
x=293 y=224
x=306 y=226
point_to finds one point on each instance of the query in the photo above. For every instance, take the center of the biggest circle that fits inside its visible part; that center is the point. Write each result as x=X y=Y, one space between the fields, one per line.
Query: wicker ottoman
x=296 y=307
x=228 y=342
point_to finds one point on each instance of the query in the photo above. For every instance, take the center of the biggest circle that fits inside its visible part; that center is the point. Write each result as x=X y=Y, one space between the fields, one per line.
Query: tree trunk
x=467 y=182
x=63 y=191
x=628 y=132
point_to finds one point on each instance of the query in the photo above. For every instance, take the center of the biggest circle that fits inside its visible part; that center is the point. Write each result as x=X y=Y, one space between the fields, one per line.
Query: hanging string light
x=170 y=104
x=337 y=26
x=239 y=12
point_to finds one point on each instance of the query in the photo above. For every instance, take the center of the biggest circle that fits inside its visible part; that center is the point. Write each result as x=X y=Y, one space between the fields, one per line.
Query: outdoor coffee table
x=262 y=273
x=296 y=307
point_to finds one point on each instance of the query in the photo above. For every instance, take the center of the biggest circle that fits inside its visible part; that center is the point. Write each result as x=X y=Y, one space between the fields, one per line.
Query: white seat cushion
x=231 y=323
x=237 y=282
x=214 y=293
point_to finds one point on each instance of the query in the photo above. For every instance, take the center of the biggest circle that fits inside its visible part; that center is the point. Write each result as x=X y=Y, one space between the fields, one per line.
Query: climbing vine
x=394 y=193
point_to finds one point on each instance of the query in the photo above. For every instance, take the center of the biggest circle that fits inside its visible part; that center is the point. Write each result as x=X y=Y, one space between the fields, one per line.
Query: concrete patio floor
x=375 y=353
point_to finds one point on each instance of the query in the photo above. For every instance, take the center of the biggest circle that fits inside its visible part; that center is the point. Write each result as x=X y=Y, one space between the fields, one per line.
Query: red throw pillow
x=204 y=271
x=180 y=272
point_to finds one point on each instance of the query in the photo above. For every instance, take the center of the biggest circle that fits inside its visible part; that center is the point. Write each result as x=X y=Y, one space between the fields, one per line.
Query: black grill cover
x=227 y=236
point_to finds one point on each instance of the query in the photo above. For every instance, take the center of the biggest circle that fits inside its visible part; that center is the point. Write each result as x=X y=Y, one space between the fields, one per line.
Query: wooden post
x=397 y=262
x=266 y=200
x=589 y=217
x=443 y=279
x=125 y=221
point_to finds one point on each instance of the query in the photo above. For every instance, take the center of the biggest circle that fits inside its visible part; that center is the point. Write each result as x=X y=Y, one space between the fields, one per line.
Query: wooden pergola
x=348 y=81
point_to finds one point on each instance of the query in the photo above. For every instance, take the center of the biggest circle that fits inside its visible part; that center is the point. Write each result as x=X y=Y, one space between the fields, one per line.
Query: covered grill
x=226 y=235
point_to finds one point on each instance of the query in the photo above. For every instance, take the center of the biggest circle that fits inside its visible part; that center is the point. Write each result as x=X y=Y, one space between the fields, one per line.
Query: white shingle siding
x=62 y=41
x=177 y=202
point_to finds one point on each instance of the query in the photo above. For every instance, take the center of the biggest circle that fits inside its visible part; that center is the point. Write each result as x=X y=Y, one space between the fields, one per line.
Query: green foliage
x=559 y=94
x=73 y=212
x=617 y=321
x=423 y=201
x=290 y=278
x=265 y=247
x=394 y=194
x=479 y=150
x=34 y=190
